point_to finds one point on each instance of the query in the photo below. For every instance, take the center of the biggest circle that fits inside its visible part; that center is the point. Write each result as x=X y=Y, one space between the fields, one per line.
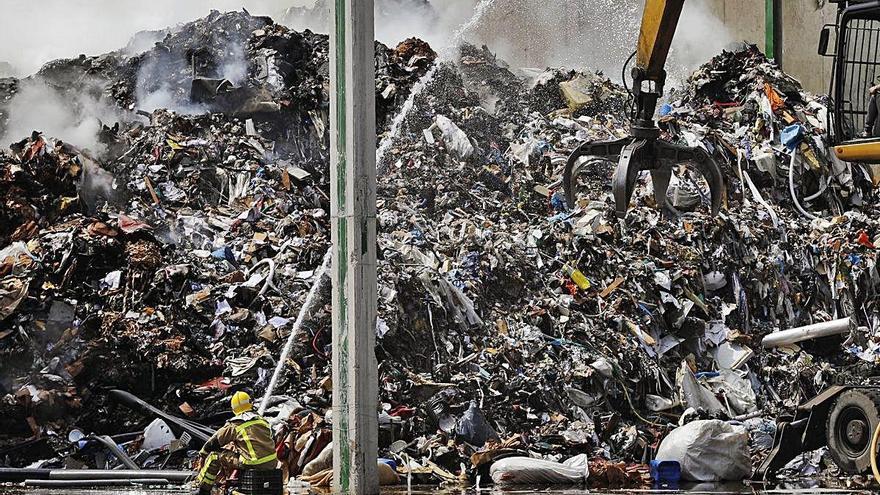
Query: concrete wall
x=594 y=34
x=802 y=20
x=744 y=19
x=801 y=24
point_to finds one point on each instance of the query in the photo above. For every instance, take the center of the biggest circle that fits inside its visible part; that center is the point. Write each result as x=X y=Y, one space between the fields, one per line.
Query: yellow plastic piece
x=577 y=277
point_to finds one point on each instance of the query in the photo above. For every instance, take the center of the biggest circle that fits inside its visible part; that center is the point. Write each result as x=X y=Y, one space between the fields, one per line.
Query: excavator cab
x=853 y=43
x=644 y=150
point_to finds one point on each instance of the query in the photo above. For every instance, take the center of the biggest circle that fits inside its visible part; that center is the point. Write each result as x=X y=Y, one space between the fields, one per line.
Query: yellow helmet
x=241 y=403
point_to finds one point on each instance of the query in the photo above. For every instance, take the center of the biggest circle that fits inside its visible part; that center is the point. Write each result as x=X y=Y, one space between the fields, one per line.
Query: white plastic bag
x=456 y=140
x=528 y=471
x=708 y=450
x=738 y=390
x=695 y=395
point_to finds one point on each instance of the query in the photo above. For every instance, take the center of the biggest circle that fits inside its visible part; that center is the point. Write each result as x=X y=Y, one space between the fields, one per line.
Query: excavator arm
x=644 y=150
x=655 y=37
x=659 y=23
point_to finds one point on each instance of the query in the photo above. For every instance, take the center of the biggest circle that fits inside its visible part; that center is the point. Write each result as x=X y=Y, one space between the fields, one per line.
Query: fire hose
x=305 y=311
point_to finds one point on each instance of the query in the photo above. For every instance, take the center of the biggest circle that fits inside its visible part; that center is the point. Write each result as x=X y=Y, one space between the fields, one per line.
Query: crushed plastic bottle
x=577 y=277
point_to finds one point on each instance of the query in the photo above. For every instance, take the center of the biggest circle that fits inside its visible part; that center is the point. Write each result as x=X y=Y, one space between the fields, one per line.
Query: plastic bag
x=528 y=471
x=322 y=461
x=695 y=395
x=708 y=450
x=792 y=136
x=738 y=390
x=473 y=427
x=456 y=140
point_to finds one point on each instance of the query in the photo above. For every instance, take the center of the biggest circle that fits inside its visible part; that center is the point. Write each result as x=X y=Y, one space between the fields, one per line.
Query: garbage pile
x=233 y=63
x=512 y=327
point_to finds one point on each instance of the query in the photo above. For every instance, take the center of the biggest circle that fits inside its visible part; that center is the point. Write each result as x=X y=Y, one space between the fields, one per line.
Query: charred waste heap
x=171 y=259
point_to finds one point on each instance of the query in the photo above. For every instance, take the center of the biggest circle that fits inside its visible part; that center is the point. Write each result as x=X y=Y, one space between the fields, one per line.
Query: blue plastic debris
x=792 y=136
x=558 y=202
x=665 y=472
x=225 y=253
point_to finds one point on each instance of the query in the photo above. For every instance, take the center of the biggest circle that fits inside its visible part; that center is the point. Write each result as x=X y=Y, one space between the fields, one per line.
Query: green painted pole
x=353 y=233
x=771 y=29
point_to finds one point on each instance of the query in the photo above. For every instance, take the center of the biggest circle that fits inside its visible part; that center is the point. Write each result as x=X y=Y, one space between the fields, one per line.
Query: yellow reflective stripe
x=242 y=430
x=250 y=446
x=262 y=460
x=203 y=474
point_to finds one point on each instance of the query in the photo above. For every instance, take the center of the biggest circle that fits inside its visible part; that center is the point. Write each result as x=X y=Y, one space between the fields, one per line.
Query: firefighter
x=248 y=441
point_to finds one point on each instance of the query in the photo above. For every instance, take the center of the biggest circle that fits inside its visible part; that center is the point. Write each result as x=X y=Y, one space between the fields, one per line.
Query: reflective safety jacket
x=250 y=437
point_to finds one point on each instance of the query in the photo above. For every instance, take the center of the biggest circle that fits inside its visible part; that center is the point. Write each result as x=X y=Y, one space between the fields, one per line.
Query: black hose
x=626 y=86
x=623 y=72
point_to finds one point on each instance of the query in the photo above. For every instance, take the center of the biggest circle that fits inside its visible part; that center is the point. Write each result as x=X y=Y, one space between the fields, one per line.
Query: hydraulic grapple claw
x=634 y=156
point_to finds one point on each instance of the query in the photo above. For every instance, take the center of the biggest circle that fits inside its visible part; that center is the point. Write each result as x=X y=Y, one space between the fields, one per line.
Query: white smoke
x=586 y=34
x=582 y=34
x=74 y=117
x=577 y=33
x=31 y=36
x=233 y=66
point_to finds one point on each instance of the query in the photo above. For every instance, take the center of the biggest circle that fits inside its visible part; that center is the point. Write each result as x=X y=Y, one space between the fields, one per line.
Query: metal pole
x=353 y=213
x=773 y=30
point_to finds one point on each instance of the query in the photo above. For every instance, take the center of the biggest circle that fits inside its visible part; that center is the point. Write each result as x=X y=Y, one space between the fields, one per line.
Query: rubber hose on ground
x=794 y=198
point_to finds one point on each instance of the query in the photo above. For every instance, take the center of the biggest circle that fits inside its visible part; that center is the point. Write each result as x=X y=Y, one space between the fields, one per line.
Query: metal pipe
x=118 y=452
x=19 y=475
x=809 y=332
x=119 y=474
x=198 y=432
x=95 y=483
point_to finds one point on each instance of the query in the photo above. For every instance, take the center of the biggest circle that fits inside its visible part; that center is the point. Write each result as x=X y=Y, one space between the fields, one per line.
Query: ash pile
x=513 y=328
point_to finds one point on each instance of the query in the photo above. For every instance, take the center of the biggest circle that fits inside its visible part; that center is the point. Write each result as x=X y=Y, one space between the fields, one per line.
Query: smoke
x=585 y=34
x=395 y=20
x=32 y=35
x=154 y=90
x=74 y=117
x=593 y=34
x=96 y=185
x=700 y=36
x=143 y=41
x=582 y=34
x=234 y=65
x=157 y=87
x=435 y=24
x=168 y=97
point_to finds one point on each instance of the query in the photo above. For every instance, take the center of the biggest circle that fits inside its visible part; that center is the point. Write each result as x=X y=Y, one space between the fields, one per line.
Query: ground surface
x=708 y=488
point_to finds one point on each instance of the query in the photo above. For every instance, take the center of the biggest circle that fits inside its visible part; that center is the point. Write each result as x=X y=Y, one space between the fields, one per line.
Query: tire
x=851 y=423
